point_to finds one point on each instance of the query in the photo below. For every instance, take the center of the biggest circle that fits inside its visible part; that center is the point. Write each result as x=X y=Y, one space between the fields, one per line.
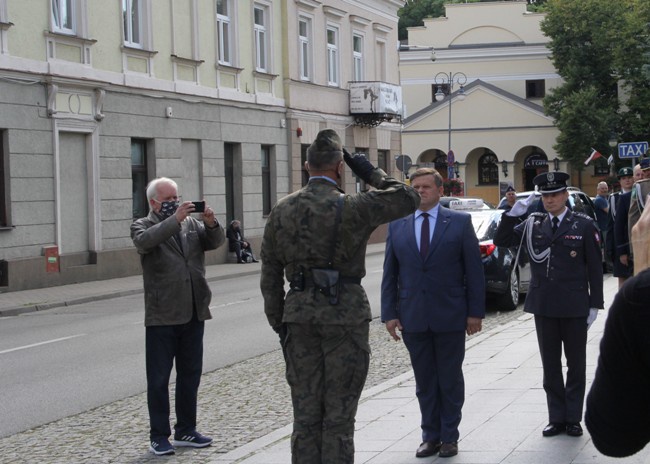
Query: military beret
x=551 y=182
x=326 y=141
x=625 y=172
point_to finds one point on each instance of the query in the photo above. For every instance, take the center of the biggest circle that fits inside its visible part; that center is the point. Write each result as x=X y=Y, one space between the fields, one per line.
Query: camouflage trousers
x=327 y=366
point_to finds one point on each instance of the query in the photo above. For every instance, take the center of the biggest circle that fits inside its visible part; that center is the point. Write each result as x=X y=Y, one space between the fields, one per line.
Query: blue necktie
x=424 y=235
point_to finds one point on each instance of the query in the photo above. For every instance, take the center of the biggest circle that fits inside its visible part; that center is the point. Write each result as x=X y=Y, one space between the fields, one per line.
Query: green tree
x=415 y=11
x=597 y=49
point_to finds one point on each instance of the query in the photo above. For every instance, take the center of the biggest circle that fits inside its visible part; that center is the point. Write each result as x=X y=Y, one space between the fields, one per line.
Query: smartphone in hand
x=199 y=206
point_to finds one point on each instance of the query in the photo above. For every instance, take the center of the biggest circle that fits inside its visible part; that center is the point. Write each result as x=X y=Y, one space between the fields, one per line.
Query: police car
x=505 y=282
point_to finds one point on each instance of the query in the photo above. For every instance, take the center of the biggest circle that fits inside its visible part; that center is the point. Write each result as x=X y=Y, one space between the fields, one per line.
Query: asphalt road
x=67 y=360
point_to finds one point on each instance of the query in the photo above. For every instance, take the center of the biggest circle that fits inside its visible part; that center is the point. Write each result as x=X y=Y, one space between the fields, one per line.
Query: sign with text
x=632 y=149
x=375 y=97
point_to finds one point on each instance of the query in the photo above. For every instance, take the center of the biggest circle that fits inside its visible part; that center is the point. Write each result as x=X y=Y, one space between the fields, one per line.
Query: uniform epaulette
x=582 y=215
x=538 y=214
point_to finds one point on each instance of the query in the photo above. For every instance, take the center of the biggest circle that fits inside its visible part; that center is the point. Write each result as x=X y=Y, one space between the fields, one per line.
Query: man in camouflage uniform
x=324 y=332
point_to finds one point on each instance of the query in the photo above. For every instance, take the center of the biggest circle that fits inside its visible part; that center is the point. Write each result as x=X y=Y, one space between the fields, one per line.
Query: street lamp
x=450 y=79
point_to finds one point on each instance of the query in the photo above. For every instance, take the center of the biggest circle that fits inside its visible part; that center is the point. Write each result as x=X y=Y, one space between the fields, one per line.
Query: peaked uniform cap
x=624 y=172
x=326 y=141
x=551 y=182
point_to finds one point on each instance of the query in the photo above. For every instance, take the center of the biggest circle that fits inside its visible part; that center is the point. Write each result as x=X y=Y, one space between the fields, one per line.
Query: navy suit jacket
x=438 y=292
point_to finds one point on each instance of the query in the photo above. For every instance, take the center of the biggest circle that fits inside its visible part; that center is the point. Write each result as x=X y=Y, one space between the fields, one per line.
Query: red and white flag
x=594 y=155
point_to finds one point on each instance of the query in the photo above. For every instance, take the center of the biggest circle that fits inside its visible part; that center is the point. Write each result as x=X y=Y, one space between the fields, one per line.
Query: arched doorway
x=436 y=159
x=534 y=164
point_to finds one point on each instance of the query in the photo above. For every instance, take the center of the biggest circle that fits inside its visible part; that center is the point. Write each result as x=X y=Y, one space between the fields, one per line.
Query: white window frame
x=144 y=24
x=68 y=8
x=226 y=33
x=333 y=61
x=262 y=38
x=305 y=52
x=358 y=65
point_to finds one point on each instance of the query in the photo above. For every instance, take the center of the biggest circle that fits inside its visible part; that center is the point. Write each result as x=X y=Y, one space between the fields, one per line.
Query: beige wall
x=498 y=46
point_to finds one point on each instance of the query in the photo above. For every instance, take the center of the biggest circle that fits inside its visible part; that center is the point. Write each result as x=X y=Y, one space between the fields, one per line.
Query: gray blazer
x=174 y=278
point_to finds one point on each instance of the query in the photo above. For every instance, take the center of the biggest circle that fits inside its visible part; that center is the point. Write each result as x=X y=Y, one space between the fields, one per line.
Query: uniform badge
x=573 y=254
x=550 y=177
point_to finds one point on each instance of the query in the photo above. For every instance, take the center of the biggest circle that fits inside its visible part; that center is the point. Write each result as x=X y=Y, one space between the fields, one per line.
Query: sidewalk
x=14 y=303
x=503 y=415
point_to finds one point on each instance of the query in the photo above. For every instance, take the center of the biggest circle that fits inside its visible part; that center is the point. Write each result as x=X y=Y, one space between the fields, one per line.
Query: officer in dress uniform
x=626 y=178
x=565 y=293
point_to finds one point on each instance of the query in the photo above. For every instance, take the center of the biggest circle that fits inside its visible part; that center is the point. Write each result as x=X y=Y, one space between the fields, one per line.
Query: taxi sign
x=466 y=204
x=632 y=149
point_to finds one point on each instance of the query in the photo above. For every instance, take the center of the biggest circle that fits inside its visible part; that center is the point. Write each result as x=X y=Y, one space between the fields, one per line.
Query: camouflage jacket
x=299 y=235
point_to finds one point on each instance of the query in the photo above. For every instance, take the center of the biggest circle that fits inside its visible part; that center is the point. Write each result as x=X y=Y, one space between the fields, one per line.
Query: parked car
x=467 y=202
x=504 y=281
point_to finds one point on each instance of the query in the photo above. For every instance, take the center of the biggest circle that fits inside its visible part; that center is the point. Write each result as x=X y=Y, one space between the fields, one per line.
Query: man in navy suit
x=433 y=291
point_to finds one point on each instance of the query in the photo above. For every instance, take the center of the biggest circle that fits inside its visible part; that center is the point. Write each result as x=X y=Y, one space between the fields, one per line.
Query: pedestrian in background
x=433 y=291
x=511 y=198
x=565 y=293
x=601 y=206
x=238 y=244
x=317 y=237
x=626 y=179
x=172 y=245
x=622 y=231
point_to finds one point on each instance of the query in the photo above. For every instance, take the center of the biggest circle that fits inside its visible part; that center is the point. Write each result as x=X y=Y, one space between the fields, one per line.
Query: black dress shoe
x=448 y=450
x=574 y=430
x=553 y=429
x=427 y=448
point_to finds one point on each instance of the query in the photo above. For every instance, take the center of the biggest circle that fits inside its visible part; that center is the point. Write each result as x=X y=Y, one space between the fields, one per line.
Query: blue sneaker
x=192 y=439
x=161 y=447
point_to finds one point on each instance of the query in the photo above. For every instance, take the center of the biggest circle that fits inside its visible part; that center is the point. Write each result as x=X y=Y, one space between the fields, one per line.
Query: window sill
x=138 y=51
x=69 y=37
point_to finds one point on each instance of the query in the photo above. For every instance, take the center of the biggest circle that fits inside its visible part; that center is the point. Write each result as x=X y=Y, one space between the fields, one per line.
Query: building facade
x=331 y=44
x=99 y=97
x=495 y=126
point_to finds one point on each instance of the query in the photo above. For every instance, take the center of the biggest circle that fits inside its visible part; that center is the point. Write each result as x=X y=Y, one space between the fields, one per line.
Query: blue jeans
x=164 y=343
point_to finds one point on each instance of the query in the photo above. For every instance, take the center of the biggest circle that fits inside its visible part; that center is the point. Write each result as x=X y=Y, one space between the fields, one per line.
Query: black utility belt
x=342 y=280
x=326 y=281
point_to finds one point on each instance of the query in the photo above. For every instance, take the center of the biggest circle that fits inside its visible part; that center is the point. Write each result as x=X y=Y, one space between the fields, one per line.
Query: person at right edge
x=618 y=402
x=317 y=237
x=565 y=293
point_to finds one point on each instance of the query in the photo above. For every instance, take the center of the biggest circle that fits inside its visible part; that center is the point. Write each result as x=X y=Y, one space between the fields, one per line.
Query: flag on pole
x=595 y=154
x=610 y=160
